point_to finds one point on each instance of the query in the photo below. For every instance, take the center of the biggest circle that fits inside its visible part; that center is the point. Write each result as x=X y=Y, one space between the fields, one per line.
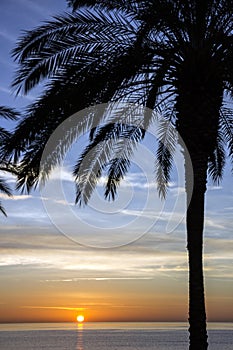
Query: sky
x=121 y=261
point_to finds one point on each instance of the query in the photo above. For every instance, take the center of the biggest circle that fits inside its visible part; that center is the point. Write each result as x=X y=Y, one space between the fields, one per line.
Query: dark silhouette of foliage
x=10 y=114
x=173 y=57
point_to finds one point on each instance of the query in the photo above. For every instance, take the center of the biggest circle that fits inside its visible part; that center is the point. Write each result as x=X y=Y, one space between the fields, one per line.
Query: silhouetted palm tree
x=11 y=114
x=174 y=57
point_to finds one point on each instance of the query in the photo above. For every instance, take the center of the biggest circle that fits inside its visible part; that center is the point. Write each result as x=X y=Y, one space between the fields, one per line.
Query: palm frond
x=66 y=98
x=4 y=134
x=228 y=69
x=100 y=155
x=62 y=140
x=73 y=89
x=226 y=127
x=167 y=141
x=118 y=167
x=4 y=188
x=9 y=168
x=29 y=170
x=217 y=160
x=8 y=113
x=115 y=51
x=112 y=140
x=126 y=144
x=2 y=209
x=88 y=170
x=81 y=37
x=37 y=161
x=104 y=4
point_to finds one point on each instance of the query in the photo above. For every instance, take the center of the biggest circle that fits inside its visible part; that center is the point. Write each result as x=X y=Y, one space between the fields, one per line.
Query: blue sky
x=50 y=245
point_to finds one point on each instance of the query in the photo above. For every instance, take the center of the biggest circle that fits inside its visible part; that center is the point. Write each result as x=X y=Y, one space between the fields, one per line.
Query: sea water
x=109 y=336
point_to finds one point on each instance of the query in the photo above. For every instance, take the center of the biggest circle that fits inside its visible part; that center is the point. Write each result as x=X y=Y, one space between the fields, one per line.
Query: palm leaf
x=226 y=127
x=127 y=142
x=217 y=160
x=167 y=141
x=112 y=4
x=35 y=129
x=71 y=38
x=124 y=51
x=2 y=209
x=8 y=113
x=4 y=188
x=108 y=141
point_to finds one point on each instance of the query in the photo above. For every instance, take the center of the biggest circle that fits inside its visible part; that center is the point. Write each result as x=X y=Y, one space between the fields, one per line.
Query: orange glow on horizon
x=105 y=301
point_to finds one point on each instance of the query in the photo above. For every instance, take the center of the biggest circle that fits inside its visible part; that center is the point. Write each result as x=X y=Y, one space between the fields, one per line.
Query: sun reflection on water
x=80 y=337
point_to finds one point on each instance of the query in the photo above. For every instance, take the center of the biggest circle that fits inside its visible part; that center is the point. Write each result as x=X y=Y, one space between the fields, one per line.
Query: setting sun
x=80 y=318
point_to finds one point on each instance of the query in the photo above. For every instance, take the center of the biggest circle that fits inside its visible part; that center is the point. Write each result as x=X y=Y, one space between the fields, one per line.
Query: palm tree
x=10 y=114
x=174 y=57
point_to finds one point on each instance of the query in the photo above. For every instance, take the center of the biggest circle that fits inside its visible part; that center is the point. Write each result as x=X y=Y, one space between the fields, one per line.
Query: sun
x=80 y=318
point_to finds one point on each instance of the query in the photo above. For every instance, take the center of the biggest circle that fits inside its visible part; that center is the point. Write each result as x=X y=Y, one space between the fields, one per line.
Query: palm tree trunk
x=195 y=224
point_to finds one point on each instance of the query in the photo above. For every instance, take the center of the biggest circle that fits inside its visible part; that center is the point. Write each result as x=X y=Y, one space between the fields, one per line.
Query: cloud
x=55 y=259
x=84 y=306
x=134 y=180
x=35 y=7
x=54 y=308
x=26 y=217
x=147 y=214
x=7 y=36
x=213 y=223
x=62 y=173
x=58 y=201
x=97 y=279
x=214 y=188
x=92 y=265
x=15 y=197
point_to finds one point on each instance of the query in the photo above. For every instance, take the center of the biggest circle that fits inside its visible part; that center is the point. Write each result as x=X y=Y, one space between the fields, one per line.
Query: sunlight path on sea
x=80 y=337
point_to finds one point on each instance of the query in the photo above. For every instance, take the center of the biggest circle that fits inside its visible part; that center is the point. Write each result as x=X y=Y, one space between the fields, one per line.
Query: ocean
x=109 y=336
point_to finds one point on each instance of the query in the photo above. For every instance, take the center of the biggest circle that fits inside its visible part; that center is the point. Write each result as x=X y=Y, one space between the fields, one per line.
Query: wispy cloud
x=7 y=91
x=83 y=306
x=35 y=7
x=7 y=36
x=213 y=223
x=97 y=279
x=54 y=308
x=214 y=188
x=15 y=197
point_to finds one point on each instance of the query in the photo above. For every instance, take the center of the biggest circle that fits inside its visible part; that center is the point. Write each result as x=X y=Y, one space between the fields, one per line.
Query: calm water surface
x=109 y=336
